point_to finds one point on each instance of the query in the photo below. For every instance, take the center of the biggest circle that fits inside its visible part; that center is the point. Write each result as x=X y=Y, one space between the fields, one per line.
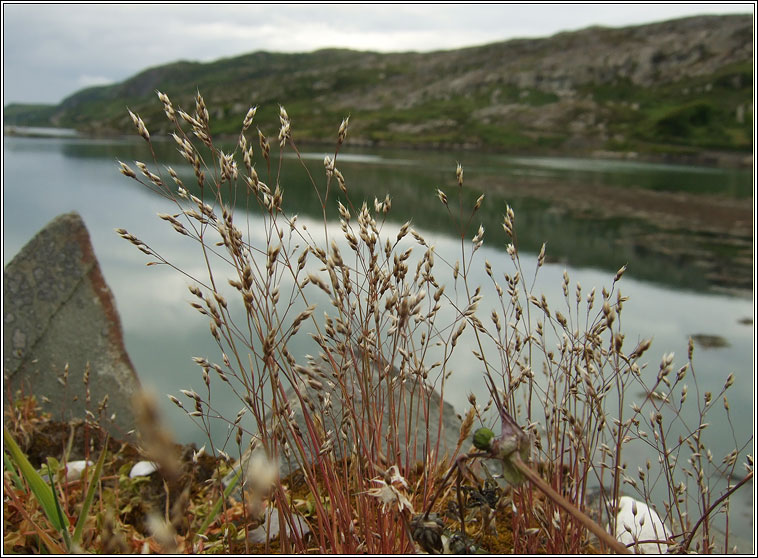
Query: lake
x=685 y=234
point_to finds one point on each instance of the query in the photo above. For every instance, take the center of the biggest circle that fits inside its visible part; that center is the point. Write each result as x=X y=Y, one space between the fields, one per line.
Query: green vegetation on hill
x=712 y=111
x=682 y=86
x=28 y=115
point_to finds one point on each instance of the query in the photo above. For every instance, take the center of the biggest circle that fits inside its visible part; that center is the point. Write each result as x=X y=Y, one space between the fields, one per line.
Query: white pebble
x=74 y=469
x=143 y=469
x=636 y=521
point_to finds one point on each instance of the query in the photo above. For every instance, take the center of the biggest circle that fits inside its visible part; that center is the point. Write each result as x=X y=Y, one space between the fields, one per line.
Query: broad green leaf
x=39 y=487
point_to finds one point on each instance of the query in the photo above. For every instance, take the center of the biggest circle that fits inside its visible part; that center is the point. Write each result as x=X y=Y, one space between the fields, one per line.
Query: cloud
x=86 y=80
x=49 y=49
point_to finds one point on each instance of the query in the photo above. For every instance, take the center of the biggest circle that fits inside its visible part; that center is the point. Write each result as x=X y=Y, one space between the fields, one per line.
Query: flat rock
x=58 y=311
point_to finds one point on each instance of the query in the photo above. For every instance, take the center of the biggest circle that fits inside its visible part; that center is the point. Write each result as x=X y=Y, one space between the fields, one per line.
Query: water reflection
x=600 y=214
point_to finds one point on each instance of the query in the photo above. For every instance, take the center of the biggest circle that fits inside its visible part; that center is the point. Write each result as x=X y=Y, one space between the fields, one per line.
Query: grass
x=355 y=416
x=683 y=116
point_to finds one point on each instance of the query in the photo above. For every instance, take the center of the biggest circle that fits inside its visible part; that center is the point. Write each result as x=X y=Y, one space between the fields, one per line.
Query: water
x=672 y=294
x=41 y=132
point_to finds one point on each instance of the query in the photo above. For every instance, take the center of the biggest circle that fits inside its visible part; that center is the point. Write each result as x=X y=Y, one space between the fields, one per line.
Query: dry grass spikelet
x=249 y=118
x=163 y=532
x=342 y=133
x=140 y=125
x=157 y=442
x=466 y=426
x=113 y=541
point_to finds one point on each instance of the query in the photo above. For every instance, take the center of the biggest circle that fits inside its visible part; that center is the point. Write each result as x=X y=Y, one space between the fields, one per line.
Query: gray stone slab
x=58 y=310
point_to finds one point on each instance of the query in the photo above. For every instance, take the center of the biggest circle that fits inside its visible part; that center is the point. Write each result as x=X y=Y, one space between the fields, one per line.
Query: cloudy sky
x=53 y=50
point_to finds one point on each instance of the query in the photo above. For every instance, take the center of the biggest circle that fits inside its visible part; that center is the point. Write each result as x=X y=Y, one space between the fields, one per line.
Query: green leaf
x=38 y=486
x=8 y=462
x=53 y=465
x=90 y=496
x=59 y=512
x=217 y=506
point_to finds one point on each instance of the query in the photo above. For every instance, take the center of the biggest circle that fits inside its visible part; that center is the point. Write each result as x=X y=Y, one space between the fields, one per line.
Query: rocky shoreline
x=700 y=158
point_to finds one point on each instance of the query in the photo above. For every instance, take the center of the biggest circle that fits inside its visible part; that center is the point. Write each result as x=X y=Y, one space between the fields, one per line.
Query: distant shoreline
x=705 y=158
x=40 y=132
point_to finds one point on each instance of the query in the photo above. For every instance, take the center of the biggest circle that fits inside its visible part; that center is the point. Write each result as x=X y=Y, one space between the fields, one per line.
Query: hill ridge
x=679 y=86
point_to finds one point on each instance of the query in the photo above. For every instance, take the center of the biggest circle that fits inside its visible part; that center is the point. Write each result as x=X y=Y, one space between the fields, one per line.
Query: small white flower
x=396 y=476
x=198 y=454
x=387 y=493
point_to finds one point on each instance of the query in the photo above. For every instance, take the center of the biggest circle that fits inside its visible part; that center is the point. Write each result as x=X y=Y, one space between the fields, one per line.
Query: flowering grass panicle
x=382 y=314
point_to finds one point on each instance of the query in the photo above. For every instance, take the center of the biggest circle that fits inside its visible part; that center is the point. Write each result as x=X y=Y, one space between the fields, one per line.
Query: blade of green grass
x=76 y=539
x=217 y=506
x=8 y=462
x=61 y=517
x=38 y=486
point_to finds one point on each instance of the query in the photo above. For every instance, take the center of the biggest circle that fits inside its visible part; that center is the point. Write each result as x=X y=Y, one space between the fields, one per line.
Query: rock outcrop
x=58 y=312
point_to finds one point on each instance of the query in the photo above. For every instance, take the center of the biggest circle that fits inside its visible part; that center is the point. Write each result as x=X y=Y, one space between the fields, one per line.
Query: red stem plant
x=357 y=417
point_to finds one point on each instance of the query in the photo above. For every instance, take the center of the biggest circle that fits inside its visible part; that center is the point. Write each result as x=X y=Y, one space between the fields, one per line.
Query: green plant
x=47 y=496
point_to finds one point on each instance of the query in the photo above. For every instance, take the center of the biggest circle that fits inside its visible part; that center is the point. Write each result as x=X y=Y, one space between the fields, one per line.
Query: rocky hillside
x=676 y=87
